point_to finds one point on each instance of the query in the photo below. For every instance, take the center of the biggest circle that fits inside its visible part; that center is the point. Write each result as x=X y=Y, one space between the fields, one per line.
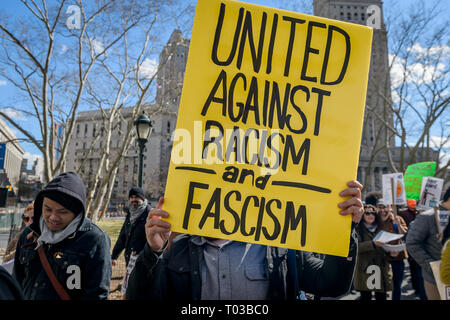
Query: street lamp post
x=144 y=129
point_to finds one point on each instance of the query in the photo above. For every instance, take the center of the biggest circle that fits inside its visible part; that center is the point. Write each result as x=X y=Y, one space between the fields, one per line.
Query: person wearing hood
x=62 y=254
x=132 y=235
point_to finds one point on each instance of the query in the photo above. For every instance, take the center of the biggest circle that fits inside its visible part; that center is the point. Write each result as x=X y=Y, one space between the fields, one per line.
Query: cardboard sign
x=430 y=192
x=399 y=189
x=269 y=127
x=444 y=290
x=413 y=178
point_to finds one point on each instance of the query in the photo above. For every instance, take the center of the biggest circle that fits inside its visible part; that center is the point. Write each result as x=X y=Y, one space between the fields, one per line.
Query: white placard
x=399 y=189
x=430 y=192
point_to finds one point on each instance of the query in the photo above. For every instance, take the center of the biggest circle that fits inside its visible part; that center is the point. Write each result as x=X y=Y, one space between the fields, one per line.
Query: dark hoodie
x=81 y=262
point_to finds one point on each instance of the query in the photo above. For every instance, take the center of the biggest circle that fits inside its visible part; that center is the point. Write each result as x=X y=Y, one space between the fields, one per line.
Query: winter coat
x=9 y=288
x=370 y=255
x=176 y=274
x=132 y=236
x=423 y=244
x=81 y=262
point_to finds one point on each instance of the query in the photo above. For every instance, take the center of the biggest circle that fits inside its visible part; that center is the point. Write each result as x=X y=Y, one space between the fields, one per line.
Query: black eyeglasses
x=370 y=212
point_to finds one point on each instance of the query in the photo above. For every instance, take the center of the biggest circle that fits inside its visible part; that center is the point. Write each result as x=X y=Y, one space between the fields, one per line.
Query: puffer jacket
x=84 y=254
x=422 y=242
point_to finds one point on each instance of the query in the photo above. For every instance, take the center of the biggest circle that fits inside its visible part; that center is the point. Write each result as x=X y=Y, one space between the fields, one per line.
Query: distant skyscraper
x=375 y=132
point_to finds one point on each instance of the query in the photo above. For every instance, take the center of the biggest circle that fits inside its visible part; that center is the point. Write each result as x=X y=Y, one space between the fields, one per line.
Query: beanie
x=68 y=202
x=136 y=191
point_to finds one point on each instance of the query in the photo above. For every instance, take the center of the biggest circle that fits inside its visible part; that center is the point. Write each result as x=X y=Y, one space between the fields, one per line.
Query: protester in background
x=27 y=219
x=190 y=269
x=392 y=224
x=132 y=235
x=370 y=255
x=9 y=288
x=424 y=244
x=62 y=254
x=409 y=214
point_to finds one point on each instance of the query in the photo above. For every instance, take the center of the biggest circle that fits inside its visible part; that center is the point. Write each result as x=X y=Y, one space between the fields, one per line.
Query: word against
x=373 y=16
x=73 y=21
x=241 y=309
x=74 y=280
x=374 y=280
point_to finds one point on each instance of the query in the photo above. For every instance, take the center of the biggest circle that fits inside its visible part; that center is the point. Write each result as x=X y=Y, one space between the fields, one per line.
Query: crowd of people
x=423 y=244
x=62 y=255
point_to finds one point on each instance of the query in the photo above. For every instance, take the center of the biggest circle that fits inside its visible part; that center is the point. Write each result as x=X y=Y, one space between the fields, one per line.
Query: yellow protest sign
x=269 y=127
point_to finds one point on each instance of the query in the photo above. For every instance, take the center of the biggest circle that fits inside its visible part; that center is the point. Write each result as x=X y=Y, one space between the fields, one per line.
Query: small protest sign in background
x=269 y=127
x=430 y=192
x=399 y=189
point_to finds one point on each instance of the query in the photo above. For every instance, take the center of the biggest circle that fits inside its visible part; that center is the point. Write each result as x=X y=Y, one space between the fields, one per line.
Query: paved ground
x=407 y=290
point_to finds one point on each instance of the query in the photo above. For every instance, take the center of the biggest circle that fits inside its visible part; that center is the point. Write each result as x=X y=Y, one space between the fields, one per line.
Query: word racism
x=272 y=85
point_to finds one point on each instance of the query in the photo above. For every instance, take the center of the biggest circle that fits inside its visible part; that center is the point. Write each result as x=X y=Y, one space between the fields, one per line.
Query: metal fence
x=10 y=224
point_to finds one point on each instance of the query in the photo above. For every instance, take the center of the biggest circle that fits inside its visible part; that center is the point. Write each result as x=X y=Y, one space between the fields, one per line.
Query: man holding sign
x=209 y=268
x=267 y=95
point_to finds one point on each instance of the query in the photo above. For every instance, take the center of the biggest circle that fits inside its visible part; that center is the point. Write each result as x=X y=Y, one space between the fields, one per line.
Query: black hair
x=372 y=197
x=374 y=208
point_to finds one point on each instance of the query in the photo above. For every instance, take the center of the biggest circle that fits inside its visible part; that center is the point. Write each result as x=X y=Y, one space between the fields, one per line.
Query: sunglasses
x=26 y=219
x=367 y=213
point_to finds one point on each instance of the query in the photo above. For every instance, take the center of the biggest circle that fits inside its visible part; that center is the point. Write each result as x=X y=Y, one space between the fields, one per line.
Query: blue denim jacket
x=81 y=263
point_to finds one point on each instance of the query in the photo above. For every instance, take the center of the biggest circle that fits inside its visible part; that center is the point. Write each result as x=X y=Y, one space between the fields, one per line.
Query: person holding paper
x=373 y=272
x=423 y=242
x=198 y=268
x=392 y=224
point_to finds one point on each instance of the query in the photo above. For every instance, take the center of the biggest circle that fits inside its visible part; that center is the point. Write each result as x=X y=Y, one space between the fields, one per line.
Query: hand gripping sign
x=269 y=127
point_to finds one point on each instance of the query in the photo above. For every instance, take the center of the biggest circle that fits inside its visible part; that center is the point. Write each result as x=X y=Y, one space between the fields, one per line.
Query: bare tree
x=416 y=97
x=94 y=55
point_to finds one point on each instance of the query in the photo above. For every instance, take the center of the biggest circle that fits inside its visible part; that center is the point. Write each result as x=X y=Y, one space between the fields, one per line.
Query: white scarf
x=52 y=237
x=136 y=212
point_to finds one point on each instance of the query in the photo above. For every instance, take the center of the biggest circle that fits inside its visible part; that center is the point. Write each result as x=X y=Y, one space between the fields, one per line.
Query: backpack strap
x=48 y=270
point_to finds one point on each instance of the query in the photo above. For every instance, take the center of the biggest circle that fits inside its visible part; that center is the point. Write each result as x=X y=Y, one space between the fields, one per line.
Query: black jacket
x=132 y=236
x=176 y=275
x=9 y=288
x=85 y=253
